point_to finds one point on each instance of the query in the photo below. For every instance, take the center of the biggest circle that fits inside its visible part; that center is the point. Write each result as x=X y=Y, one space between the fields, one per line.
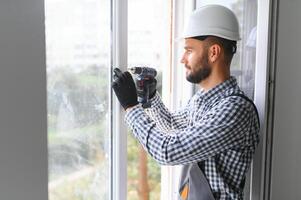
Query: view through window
x=78 y=69
x=148 y=33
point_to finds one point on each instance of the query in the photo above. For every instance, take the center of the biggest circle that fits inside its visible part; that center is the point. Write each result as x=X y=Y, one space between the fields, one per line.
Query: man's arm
x=164 y=118
x=224 y=127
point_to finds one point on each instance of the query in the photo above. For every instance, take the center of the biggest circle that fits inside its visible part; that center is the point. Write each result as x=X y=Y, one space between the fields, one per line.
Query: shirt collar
x=218 y=90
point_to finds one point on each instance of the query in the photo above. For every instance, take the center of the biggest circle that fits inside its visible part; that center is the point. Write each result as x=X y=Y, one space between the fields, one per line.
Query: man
x=214 y=137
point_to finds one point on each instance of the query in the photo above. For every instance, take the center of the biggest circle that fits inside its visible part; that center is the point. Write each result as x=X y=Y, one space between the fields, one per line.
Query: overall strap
x=249 y=100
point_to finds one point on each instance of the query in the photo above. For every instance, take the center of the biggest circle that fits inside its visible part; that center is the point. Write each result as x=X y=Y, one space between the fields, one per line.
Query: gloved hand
x=124 y=88
x=152 y=85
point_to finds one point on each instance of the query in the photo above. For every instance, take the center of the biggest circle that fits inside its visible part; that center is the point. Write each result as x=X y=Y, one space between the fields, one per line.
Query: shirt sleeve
x=164 y=119
x=224 y=127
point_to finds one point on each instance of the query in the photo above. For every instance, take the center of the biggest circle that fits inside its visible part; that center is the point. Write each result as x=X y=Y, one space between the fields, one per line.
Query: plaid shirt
x=219 y=130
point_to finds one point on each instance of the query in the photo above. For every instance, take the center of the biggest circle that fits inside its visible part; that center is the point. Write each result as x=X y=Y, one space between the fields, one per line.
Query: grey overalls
x=193 y=183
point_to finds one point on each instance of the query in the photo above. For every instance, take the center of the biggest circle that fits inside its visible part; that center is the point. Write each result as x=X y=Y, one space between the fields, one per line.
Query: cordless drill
x=143 y=76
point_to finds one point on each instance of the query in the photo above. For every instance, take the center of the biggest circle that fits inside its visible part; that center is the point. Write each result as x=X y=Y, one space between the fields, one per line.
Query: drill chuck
x=144 y=71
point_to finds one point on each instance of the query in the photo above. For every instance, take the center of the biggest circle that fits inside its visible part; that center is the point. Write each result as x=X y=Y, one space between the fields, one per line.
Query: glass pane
x=147 y=46
x=78 y=57
x=243 y=64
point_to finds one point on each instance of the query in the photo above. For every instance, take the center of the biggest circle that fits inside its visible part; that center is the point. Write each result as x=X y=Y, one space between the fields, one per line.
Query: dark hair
x=229 y=46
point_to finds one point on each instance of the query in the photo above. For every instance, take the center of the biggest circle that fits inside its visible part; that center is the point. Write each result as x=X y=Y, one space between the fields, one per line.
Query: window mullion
x=119 y=130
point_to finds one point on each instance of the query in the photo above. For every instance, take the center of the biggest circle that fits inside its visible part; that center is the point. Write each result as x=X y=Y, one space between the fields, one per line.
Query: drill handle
x=143 y=93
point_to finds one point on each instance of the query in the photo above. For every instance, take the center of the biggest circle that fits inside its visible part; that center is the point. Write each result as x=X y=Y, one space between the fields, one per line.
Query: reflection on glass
x=77 y=48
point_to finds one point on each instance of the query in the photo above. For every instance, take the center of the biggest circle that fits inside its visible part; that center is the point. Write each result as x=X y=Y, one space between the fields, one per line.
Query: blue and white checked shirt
x=220 y=130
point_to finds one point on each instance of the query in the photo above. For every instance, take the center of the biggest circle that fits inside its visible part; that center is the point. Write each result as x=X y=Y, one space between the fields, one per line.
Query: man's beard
x=202 y=72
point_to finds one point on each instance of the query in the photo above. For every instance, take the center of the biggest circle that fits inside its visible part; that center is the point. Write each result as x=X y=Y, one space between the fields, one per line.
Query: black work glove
x=124 y=88
x=152 y=85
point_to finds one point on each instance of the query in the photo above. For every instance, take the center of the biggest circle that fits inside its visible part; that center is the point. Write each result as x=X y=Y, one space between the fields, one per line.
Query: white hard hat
x=212 y=20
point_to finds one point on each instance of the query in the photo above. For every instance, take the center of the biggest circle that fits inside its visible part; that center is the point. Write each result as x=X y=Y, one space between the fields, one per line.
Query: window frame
x=263 y=83
x=118 y=129
x=173 y=98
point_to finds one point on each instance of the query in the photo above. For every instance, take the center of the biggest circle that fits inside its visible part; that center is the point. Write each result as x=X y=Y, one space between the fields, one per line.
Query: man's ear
x=214 y=53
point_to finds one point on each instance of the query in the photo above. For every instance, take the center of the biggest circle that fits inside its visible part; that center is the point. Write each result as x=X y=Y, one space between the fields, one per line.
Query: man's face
x=195 y=59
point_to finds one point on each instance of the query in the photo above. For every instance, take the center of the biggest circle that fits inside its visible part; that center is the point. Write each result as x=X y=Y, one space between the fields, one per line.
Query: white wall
x=286 y=158
x=23 y=122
